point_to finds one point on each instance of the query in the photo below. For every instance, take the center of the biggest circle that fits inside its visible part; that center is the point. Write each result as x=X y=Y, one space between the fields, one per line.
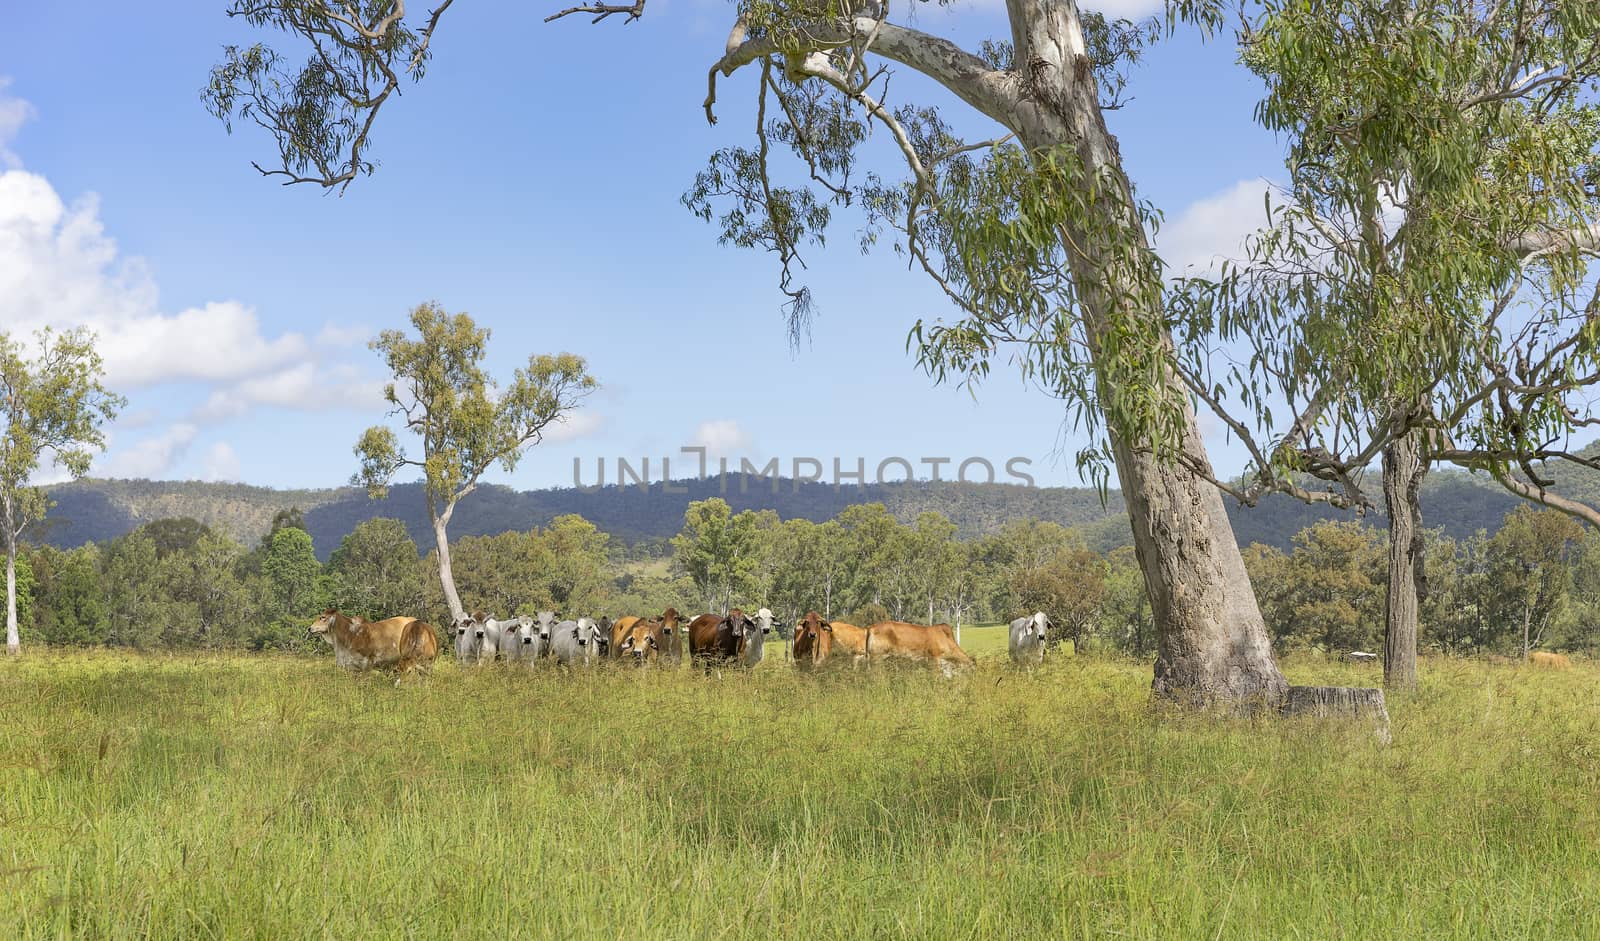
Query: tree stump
x=1339 y=702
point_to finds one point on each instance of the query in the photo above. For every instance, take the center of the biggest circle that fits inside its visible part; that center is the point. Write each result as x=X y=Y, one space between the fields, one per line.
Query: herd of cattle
x=735 y=639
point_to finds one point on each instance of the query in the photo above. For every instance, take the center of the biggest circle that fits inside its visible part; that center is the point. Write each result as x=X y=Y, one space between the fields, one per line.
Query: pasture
x=277 y=797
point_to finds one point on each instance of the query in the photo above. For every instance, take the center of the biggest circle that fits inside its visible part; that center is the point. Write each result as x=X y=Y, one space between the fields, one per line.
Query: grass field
x=260 y=797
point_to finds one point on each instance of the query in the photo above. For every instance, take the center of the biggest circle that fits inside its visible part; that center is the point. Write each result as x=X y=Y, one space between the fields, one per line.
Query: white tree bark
x=13 y=636
x=447 y=579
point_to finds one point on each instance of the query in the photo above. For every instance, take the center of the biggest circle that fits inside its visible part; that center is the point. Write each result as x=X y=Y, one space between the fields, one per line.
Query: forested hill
x=102 y=509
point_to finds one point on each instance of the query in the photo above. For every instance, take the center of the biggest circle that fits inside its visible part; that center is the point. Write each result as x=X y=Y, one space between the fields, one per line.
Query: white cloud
x=575 y=425
x=1214 y=228
x=220 y=463
x=151 y=457
x=309 y=386
x=59 y=268
x=138 y=418
x=721 y=438
x=14 y=112
x=1125 y=9
x=334 y=335
x=48 y=475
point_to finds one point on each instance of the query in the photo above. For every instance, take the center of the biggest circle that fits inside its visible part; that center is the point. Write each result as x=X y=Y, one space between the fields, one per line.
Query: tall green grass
x=258 y=797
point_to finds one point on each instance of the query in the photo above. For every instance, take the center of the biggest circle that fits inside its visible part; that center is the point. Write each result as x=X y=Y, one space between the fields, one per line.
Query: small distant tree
x=871 y=537
x=289 y=517
x=1070 y=587
x=1330 y=591
x=294 y=576
x=203 y=598
x=1530 y=561
x=70 y=599
x=966 y=572
x=1127 y=617
x=176 y=534
x=466 y=422
x=128 y=570
x=932 y=564
x=716 y=550
x=503 y=574
x=578 y=579
x=807 y=562
x=50 y=404
x=375 y=571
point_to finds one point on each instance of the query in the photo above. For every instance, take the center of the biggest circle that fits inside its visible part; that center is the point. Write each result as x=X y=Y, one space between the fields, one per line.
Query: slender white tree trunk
x=13 y=637
x=447 y=579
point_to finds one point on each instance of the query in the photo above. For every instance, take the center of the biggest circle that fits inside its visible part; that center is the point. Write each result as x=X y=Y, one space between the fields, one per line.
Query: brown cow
x=402 y=644
x=816 y=641
x=646 y=641
x=620 y=628
x=715 y=640
x=1555 y=661
x=675 y=628
x=918 y=643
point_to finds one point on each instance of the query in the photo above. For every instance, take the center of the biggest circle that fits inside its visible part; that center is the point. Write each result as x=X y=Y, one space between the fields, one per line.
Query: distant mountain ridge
x=96 y=510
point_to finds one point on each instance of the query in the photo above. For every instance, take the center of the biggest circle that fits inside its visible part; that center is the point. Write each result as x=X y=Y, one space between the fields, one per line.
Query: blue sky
x=532 y=180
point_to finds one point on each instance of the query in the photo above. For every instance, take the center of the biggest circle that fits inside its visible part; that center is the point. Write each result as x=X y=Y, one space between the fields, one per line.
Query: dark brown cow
x=717 y=641
x=403 y=644
x=817 y=641
x=917 y=643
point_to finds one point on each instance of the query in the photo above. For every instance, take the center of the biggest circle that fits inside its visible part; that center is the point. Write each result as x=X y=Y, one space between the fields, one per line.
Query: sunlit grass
x=233 y=796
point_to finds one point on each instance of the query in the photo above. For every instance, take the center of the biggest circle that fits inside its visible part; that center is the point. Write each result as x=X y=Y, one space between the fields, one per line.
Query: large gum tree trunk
x=1403 y=470
x=1213 y=646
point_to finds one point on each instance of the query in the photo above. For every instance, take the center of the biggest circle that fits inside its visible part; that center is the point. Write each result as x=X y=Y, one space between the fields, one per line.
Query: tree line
x=175 y=584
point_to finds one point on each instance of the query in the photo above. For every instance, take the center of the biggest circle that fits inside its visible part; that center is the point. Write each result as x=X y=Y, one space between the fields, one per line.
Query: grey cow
x=1028 y=636
x=531 y=642
x=467 y=639
x=497 y=637
x=755 y=638
x=576 y=643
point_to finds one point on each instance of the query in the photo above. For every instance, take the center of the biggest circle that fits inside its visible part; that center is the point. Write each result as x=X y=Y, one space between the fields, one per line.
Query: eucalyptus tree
x=1424 y=293
x=375 y=572
x=51 y=405
x=719 y=550
x=1531 y=561
x=809 y=567
x=444 y=395
x=579 y=556
x=1033 y=233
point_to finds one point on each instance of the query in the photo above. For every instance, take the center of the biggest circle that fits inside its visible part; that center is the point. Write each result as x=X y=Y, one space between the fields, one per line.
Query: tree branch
x=970 y=78
x=602 y=10
x=1527 y=491
x=1581 y=239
